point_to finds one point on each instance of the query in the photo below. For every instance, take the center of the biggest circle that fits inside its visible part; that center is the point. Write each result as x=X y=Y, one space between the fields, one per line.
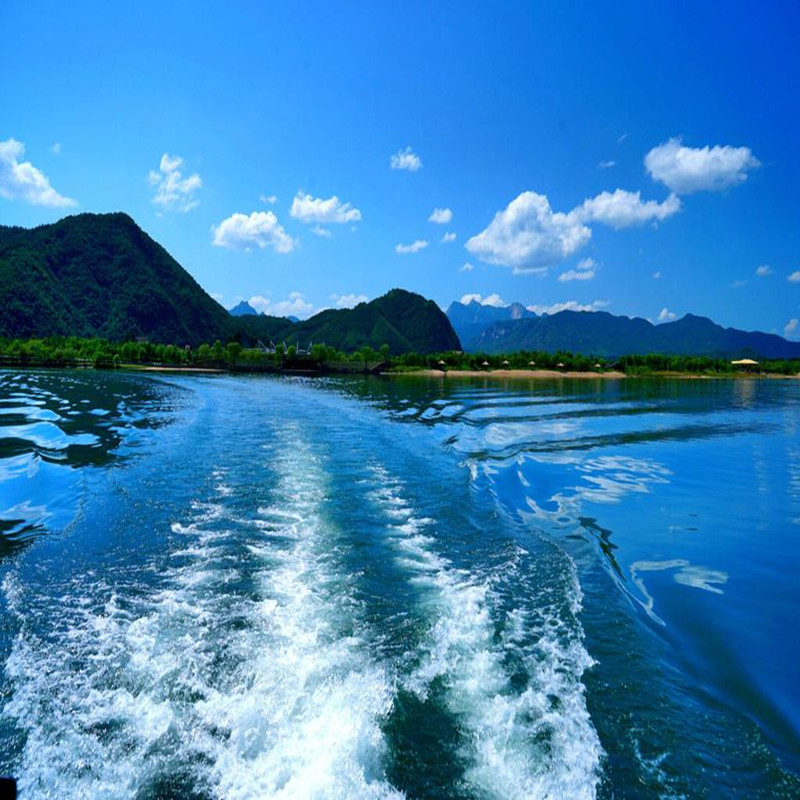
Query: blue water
x=268 y=587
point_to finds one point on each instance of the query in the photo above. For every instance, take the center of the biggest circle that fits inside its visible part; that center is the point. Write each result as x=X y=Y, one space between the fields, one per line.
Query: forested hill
x=101 y=275
x=403 y=320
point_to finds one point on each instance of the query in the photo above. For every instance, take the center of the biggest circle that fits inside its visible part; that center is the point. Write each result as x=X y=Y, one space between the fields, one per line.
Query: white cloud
x=665 y=315
x=622 y=209
x=657 y=275
x=606 y=164
x=173 y=191
x=737 y=284
x=491 y=300
x=348 y=300
x=218 y=296
x=318 y=230
x=448 y=237
x=695 y=169
x=406 y=159
x=587 y=269
x=792 y=328
x=794 y=277
x=55 y=149
x=296 y=306
x=622 y=138
x=20 y=180
x=569 y=305
x=329 y=212
x=527 y=233
x=441 y=216
x=260 y=229
x=415 y=247
x=466 y=268
x=268 y=199
x=763 y=271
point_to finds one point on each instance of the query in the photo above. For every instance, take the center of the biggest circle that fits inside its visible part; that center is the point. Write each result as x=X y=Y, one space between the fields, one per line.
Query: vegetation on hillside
x=100 y=275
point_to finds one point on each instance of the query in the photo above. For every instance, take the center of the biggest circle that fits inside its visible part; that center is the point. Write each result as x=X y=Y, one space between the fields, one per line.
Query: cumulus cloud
x=491 y=300
x=794 y=277
x=528 y=233
x=295 y=306
x=569 y=305
x=318 y=230
x=329 y=212
x=587 y=269
x=466 y=268
x=173 y=191
x=696 y=169
x=260 y=229
x=665 y=315
x=529 y=236
x=763 y=271
x=20 y=180
x=348 y=300
x=441 y=216
x=657 y=275
x=55 y=149
x=268 y=199
x=406 y=159
x=606 y=164
x=448 y=237
x=621 y=209
x=414 y=247
x=792 y=328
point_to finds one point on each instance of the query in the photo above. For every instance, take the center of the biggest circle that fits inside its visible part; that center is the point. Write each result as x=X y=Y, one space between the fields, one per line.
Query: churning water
x=261 y=587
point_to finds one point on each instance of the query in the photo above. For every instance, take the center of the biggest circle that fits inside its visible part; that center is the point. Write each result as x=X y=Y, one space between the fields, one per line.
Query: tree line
x=101 y=353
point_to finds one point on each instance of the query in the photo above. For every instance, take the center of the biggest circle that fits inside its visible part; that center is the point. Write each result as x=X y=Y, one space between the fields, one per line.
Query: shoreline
x=508 y=373
x=550 y=374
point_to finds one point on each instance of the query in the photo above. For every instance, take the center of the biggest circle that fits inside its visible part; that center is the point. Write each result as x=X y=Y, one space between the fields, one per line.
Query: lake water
x=383 y=588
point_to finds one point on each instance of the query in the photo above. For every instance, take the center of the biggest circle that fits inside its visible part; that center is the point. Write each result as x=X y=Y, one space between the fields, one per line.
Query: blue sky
x=256 y=142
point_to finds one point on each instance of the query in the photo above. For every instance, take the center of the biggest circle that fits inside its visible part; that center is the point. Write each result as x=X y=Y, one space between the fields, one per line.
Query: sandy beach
x=527 y=374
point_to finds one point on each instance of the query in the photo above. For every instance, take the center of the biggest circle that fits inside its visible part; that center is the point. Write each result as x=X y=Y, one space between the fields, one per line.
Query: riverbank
x=506 y=373
x=549 y=374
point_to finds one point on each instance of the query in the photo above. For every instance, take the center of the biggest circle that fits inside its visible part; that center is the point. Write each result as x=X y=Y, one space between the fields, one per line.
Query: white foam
x=286 y=703
x=503 y=728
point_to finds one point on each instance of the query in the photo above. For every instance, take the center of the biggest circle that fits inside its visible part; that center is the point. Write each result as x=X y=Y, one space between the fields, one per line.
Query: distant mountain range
x=507 y=329
x=102 y=275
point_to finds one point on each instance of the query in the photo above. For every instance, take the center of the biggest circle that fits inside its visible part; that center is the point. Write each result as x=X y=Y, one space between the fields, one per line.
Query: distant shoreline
x=549 y=374
x=506 y=373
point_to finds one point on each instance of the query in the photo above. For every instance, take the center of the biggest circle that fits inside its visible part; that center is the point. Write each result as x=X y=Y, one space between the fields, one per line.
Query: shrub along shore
x=102 y=354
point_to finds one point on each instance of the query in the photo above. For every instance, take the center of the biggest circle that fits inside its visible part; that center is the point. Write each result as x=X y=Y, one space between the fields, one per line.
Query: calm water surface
x=255 y=587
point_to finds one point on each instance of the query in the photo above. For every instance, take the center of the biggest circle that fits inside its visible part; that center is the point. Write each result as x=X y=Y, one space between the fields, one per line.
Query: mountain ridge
x=601 y=333
x=101 y=275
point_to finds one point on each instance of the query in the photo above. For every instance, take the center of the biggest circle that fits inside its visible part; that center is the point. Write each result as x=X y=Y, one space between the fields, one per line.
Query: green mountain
x=403 y=320
x=602 y=334
x=101 y=275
